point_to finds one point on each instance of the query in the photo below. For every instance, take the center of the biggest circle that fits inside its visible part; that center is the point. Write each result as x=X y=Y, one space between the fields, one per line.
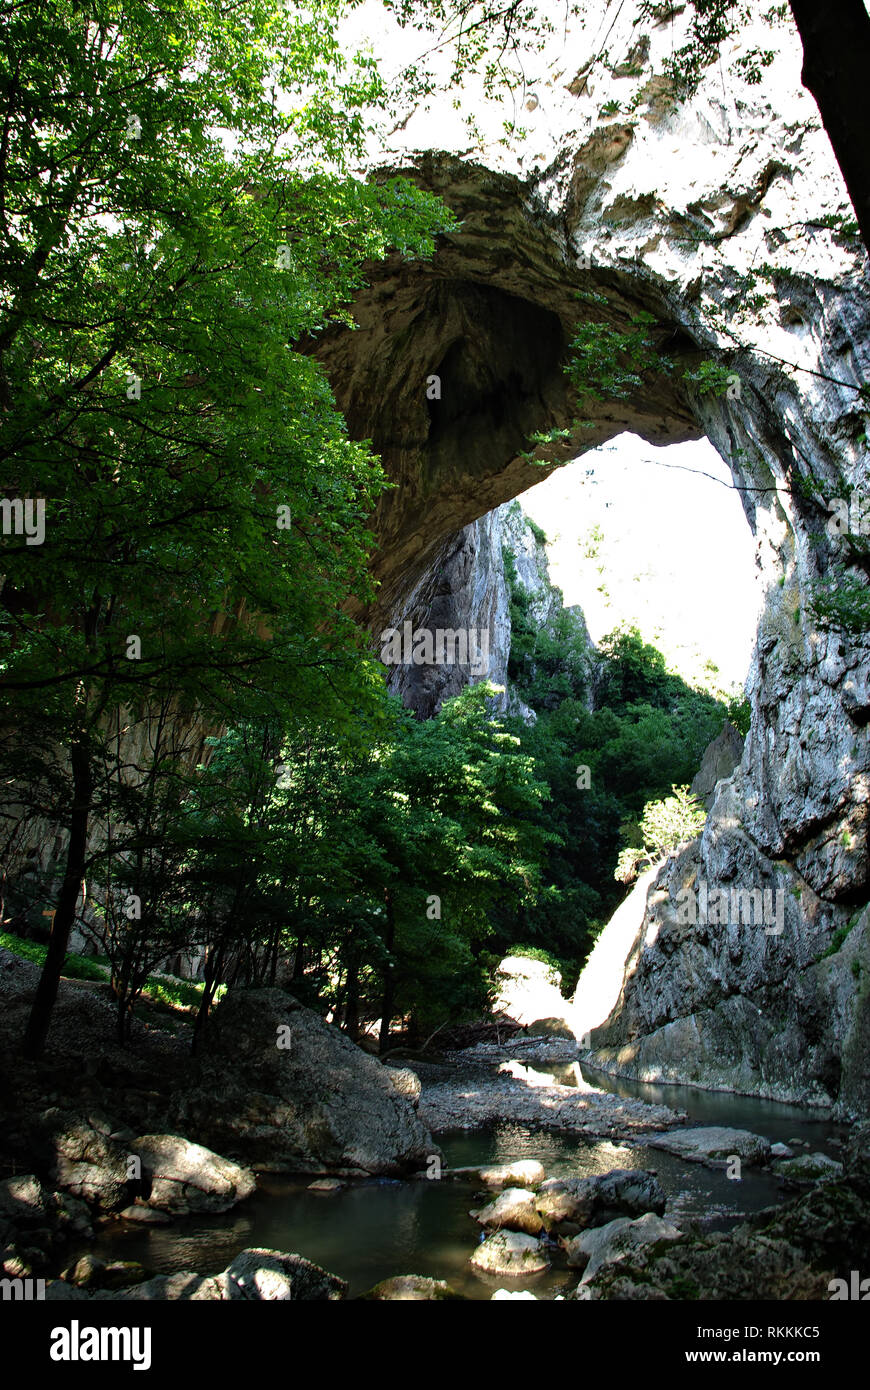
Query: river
x=372 y=1229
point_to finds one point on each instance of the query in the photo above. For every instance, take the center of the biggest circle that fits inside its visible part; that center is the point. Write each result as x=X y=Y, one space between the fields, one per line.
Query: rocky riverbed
x=493 y=1082
x=206 y=1171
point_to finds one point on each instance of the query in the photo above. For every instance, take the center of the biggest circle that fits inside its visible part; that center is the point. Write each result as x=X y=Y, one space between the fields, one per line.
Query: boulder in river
x=796 y=1252
x=412 y=1288
x=576 y=1203
x=713 y=1145
x=186 y=1177
x=511 y=1252
x=85 y=1158
x=35 y=1221
x=808 y=1168
x=603 y=1245
x=555 y=1027
x=270 y=1274
x=513 y=1210
x=253 y=1276
x=281 y=1088
x=526 y=1172
x=90 y=1272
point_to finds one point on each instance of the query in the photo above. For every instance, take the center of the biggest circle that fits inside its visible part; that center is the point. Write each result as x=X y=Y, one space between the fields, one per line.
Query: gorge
x=338 y=996
x=691 y=213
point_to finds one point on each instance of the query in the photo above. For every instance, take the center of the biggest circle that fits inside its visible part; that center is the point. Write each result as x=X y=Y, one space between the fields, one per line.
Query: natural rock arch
x=492 y=315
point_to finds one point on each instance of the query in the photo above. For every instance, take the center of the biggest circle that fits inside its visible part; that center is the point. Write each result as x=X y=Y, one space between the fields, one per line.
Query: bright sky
x=676 y=556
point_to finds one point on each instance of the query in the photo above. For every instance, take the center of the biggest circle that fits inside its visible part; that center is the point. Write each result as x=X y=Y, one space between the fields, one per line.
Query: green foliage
x=185 y=994
x=739 y=713
x=172 y=230
x=664 y=826
x=646 y=732
x=546 y=663
x=536 y=953
x=608 y=363
x=710 y=378
x=371 y=856
x=842 y=603
x=74 y=967
x=838 y=222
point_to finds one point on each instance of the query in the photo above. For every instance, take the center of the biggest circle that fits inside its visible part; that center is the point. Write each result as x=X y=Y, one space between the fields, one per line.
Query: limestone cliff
x=467 y=589
x=725 y=218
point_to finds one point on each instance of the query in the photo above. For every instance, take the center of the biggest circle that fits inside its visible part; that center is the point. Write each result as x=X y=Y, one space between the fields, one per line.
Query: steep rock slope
x=469 y=591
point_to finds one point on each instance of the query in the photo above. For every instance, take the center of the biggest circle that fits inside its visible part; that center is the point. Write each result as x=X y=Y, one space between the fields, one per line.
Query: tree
x=176 y=214
x=664 y=826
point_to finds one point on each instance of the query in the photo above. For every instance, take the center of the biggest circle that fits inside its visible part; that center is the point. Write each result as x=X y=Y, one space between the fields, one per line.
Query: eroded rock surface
x=510 y=1252
x=513 y=1210
x=283 y=1089
x=725 y=218
x=186 y=1177
x=605 y=1245
x=575 y=1203
x=714 y=1145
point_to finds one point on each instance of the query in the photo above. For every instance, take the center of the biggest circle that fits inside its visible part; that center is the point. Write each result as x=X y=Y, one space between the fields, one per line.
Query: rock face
x=411 y=1288
x=601 y=979
x=467 y=590
x=806 y=1250
x=776 y=1008
x=254 y=1276
x=529 y=990
x=689 y=211
x=609 y=1244
x=513 y=1210
x=724 y=217
x=809 y=1168
x=89 y=1161
x=282 y=1088
x=35 y=1222
x=526 y=1172
x=720 y=760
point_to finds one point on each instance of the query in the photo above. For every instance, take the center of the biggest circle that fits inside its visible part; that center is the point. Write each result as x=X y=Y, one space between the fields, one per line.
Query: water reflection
x=375 y=1229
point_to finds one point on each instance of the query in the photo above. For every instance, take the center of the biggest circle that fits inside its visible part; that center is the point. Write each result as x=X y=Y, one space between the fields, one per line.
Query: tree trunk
x=351 y=1006
x=836 y=40
x=389 y=994
x=120 y=1013
x=58 y=942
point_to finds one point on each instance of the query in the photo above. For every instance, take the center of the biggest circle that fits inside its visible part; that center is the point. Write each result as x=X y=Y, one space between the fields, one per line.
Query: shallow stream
x=372 y=1229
